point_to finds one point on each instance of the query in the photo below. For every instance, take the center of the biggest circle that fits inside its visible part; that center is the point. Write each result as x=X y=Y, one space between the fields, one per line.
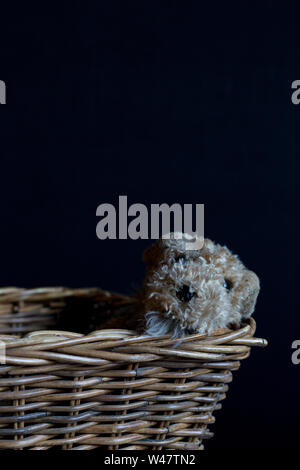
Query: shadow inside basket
x=80 y=310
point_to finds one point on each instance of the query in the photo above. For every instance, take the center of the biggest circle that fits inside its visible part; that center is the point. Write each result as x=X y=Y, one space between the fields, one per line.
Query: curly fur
x=188 y=291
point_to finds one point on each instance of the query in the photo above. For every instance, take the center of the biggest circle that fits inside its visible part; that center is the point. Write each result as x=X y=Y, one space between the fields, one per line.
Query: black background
x=163 y=102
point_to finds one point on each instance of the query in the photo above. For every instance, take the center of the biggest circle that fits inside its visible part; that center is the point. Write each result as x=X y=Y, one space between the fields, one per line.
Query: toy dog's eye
x=228 y=284
x=185 y=294
x=180 y=257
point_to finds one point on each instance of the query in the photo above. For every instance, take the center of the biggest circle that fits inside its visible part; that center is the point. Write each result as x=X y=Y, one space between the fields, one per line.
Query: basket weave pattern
x=110 y=388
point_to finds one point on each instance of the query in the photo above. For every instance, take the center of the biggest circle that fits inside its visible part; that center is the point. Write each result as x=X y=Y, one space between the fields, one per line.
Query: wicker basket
x=110 y=388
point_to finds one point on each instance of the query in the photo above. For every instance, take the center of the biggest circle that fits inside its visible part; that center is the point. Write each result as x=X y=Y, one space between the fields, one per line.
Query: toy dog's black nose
x=185 y=294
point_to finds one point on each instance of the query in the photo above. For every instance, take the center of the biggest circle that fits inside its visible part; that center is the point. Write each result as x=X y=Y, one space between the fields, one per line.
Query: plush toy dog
x=189 y=291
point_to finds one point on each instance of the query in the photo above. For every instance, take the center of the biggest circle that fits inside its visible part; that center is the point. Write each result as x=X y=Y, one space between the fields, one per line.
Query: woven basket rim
x=241 y=337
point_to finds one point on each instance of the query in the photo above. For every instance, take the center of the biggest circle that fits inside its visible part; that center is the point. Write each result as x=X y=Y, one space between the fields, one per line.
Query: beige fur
x=188 y=291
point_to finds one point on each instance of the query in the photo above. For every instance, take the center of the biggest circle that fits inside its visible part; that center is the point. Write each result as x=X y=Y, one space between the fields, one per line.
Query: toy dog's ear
x=249 y=290
x=182 y=243
x=153 y=253
x=174 y=245
x=171 y=246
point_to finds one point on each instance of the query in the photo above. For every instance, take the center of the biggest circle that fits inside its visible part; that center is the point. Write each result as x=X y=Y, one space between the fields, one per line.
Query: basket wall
x=111 y=388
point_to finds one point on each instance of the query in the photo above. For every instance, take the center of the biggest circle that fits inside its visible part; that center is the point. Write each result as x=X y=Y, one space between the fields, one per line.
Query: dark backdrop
x=163 y=102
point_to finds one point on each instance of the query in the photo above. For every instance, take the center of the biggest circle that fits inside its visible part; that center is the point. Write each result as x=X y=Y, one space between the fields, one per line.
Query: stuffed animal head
x=189 y=291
